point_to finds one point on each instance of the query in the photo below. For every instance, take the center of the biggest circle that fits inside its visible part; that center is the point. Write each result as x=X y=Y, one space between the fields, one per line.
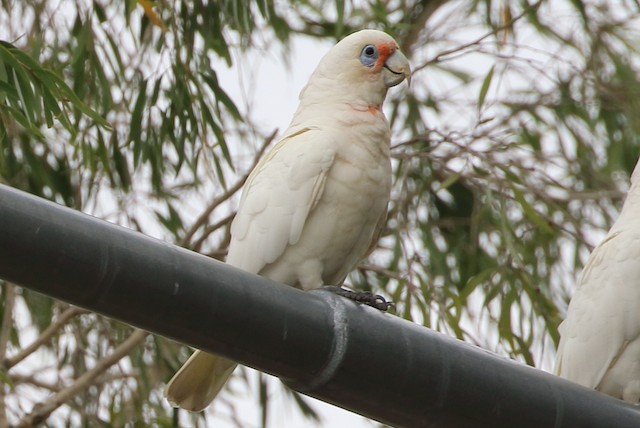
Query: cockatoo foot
x=365 y=297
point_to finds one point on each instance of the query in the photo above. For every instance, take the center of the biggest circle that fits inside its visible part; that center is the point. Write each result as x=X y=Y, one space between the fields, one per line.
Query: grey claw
x=366 y=297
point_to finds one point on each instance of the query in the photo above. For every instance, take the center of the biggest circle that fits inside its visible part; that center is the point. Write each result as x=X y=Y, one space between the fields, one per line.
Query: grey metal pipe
x=374 y=364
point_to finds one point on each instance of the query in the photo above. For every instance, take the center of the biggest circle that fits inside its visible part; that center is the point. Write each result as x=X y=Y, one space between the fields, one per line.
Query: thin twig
x=204 y=217
x=18 y=379
x=382 y=271
x=389 y=274
x=210 y=229
x=479 y=40
x=42 y=411
x=44 y=337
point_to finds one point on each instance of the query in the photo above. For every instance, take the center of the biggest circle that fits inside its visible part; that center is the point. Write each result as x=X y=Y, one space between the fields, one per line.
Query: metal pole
x=355 y=357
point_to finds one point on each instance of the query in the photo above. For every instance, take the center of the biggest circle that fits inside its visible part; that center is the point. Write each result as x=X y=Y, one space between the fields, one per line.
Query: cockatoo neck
x=324 y=97
x=326 y=86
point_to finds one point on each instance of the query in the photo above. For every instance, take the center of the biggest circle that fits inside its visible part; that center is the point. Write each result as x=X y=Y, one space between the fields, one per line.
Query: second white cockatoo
x=313 y=207
x=600 y=338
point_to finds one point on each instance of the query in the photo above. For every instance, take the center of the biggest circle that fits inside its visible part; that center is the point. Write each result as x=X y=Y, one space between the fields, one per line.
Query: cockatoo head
x=359 y=69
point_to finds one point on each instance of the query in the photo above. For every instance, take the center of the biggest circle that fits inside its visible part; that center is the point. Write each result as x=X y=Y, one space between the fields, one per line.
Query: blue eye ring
x=369 y=55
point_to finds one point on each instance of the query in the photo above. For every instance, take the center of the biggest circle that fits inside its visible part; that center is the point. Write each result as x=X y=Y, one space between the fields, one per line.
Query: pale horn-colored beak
x=397 y=69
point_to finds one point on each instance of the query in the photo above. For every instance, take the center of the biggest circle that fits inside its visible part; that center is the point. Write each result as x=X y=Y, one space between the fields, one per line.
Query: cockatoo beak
x=396 y=69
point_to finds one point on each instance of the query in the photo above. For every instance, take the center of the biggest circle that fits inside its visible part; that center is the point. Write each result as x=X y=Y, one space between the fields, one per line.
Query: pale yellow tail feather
x=198 y=381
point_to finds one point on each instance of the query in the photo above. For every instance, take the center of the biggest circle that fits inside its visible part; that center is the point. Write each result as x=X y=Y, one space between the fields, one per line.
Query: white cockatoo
x=314 y=205
x=600 y=338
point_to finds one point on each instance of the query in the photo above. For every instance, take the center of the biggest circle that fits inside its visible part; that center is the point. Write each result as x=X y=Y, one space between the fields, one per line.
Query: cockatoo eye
x=369 y=55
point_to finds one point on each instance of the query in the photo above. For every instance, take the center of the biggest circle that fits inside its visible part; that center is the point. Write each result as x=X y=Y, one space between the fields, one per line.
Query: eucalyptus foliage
x=512 y=151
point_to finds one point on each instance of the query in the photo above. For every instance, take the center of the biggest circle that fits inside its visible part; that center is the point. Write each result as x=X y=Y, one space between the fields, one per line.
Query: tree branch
x=42 y=411
x=477 y=41
x=204 y=217
x=44 y=337
x=18 y=379
x=210 y=229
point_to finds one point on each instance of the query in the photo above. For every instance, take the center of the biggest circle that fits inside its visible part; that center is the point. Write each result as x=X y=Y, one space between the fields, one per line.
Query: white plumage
x=313 y=206
x=600 y=338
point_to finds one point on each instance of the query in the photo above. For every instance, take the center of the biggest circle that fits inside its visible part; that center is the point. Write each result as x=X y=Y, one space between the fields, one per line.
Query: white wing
x=277 y=198
x=604 y=314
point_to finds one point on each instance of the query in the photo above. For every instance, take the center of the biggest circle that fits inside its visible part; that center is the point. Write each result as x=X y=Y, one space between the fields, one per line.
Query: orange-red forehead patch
x=385 y=50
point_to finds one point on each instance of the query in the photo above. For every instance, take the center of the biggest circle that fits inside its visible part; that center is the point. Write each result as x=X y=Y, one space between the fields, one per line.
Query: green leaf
x=26 y=73
x=476 y=280
x=67 y=92
x=484 y=89
x=530 y=212
x=26 y=96
x=135 y=130
x=211 y=80
x=7 y=91
x=22 y=120
x=339 y=18
x=451 y=179
x=120 y=163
